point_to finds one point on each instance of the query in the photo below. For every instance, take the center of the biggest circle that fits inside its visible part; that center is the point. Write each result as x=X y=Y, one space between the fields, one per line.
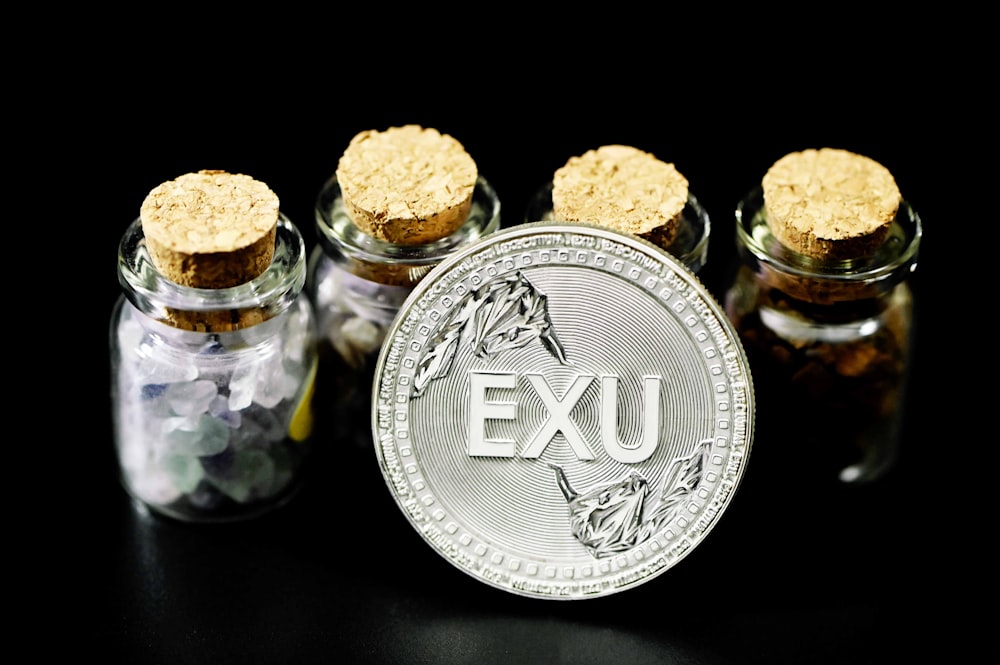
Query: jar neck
x=186 y=340
x=391 y=263
x=212 y=310
x=825 y=281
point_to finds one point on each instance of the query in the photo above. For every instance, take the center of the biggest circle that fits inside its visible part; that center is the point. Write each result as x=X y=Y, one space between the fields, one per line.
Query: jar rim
x=893 y=260
x=337 y=233
x=690 y=246
x=154 y=294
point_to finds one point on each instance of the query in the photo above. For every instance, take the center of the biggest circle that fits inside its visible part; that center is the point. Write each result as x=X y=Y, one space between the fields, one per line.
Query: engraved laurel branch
x=501 y=315
x=612 y=518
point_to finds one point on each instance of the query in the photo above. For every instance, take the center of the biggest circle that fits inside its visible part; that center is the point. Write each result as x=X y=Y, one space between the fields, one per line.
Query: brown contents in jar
x=838 y=400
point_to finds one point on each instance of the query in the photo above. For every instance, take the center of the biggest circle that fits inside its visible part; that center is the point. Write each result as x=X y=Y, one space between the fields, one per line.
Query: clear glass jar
x=357 y=284
x=212 y=426
x=828 y=342
x=690 y=245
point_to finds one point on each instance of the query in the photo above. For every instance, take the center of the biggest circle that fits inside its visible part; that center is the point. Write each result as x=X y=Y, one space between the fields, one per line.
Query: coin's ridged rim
x=629 y=568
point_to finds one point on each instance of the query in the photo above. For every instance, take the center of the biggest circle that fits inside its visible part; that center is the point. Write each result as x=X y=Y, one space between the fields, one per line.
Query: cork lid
x=830 y=203
x=408 y=185
x=210 y=229
x=622 y=188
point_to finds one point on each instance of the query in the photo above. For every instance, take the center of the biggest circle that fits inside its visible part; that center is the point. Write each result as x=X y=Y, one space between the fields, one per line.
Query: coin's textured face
x=562 y=411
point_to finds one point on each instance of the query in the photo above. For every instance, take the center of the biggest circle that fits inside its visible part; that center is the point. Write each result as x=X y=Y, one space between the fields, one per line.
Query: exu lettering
x=559 y=420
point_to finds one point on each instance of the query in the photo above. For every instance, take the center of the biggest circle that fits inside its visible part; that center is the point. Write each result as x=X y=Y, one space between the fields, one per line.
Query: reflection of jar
x=358 y=283
x=828 y=342
x=628 y=190
x=211 y=387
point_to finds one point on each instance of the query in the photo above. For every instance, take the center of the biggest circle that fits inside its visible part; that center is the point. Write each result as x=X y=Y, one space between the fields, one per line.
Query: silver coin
x=562 y=411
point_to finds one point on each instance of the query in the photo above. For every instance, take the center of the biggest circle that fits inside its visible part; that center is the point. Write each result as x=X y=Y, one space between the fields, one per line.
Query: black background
x=795 y=572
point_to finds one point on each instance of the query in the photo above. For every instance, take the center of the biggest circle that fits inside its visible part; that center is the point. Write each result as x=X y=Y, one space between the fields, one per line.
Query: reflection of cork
x=622 y=188
x=389 y=273
x=407 y=185
x=830 y=203
x=211 y=230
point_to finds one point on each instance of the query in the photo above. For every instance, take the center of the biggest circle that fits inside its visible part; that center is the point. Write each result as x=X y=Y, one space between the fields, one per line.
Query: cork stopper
x=829 y=203
x=622 y=188
x=210 y=229
x=407 y=185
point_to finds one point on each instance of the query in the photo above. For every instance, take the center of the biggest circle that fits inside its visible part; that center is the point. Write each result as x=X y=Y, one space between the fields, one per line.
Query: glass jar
x=212 y=426
x=690 y=245
x=357 y=284
x=829 y=345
